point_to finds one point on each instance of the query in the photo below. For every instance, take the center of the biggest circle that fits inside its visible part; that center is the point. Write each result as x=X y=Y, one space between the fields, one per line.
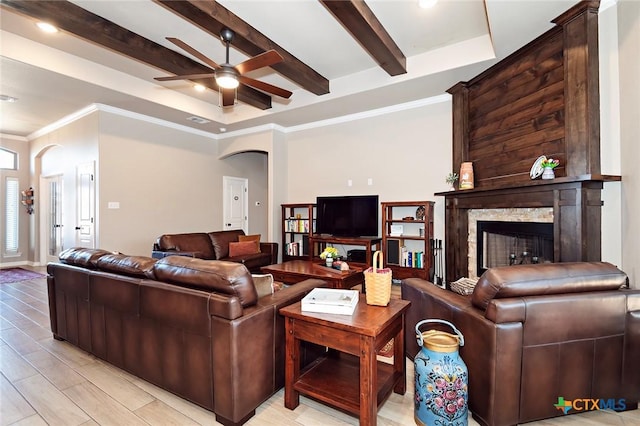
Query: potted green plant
x=548 y=165
x=451 y=179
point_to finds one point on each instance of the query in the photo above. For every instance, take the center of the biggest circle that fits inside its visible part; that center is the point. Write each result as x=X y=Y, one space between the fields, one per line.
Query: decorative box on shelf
x=330 y=301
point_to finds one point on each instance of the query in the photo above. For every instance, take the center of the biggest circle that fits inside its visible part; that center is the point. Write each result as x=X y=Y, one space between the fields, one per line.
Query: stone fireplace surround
x=544 y=215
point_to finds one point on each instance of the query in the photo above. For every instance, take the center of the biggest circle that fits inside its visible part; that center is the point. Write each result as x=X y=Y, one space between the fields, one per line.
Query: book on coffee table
x=330 y=301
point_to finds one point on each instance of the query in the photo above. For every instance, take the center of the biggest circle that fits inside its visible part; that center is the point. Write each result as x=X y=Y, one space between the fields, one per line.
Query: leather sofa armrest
x=292 y=293
x=272 y=249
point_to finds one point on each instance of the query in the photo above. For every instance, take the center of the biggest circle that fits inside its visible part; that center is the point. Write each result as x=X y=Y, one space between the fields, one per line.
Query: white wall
x=407 y=154
x=629 y=46
x=166 y=181
x=611 y=233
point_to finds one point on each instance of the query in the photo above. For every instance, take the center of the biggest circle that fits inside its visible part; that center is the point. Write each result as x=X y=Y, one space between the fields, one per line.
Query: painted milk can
x=441 y=378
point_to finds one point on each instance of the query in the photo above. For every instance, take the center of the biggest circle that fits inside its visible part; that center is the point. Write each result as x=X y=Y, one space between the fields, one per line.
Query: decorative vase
x=548 y=173
x=329 y=261
x=466 y=175
x=441 y=390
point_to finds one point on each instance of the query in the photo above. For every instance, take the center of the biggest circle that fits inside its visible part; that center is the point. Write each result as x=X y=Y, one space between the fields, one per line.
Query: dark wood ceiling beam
x=212 y=18
x=363 y=25
x=84 y=24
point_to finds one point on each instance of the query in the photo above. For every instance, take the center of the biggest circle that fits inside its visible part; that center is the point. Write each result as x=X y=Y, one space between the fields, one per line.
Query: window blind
x=12 y=205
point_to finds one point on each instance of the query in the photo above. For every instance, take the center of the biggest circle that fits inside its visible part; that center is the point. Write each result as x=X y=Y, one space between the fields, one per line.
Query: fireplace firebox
x=502 y=243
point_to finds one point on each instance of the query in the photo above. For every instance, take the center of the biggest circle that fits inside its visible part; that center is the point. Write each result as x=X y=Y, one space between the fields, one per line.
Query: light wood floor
x=44 y=381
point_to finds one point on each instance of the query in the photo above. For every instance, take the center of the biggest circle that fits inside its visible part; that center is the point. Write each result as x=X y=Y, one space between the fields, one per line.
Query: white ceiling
x=54 y=76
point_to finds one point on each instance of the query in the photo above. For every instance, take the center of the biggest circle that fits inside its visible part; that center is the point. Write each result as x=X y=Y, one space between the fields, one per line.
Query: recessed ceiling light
x=426 y=4
x=47 y=27
x=199 y=87
x=223 y=129
x=198 y=120
x=7 y=98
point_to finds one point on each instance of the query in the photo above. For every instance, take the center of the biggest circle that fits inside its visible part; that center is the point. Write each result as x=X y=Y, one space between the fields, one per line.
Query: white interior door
x=85 y=224
x=52 y=229
x=235 y=203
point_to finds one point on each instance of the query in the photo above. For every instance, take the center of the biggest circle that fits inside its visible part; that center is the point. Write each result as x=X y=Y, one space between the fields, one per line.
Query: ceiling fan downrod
x=227 y=36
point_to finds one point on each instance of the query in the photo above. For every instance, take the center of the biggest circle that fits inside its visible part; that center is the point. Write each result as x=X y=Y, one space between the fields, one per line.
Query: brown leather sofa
x=194 y=327
x=214 y=246
x=535 y=333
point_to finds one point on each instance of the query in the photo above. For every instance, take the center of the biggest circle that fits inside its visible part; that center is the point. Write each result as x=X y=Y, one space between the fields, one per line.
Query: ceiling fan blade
x=265 y=59
x=265 y=87
x=228 y=97
x=184 y=46
x=185 y=77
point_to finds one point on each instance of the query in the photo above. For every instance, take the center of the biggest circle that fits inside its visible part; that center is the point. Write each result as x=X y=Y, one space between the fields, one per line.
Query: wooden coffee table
x=295 y=271
x=352 y=379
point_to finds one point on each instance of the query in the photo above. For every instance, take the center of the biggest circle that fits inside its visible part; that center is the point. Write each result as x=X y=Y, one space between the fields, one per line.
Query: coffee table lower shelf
x=335 y=380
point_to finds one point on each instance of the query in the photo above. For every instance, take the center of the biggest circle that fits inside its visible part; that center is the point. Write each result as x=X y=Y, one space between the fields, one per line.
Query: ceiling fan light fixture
x=227 y=78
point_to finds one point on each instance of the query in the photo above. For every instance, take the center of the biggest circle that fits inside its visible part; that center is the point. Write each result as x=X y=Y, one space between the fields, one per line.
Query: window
x=8 y=159
x=12 y=205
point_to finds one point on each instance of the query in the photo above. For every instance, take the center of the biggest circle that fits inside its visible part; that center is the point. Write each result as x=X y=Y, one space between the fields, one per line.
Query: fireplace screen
x=513 y=243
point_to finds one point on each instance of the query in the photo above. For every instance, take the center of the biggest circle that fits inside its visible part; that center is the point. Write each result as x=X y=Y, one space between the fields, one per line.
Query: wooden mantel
x=576 y=203
x=541 y=100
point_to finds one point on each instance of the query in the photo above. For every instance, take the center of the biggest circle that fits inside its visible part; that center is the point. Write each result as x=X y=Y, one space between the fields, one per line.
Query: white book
x=330 y=301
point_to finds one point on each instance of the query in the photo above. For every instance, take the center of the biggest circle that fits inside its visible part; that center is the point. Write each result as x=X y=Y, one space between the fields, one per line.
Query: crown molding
x=251 y=130
x=13 y=137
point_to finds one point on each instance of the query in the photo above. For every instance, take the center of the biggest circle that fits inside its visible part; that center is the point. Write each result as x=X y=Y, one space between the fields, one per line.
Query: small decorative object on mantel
x=543 y=166
x=466 y=175
x=547 y=168
x=328 y=255
x=451 y=179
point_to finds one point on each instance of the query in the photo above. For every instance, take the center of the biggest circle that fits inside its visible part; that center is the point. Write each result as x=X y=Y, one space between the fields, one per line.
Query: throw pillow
x=254 y=237
x=263 y=283
x=241 y=248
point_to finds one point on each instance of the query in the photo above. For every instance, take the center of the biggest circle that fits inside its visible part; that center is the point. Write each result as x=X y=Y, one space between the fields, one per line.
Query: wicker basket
x=377 y=283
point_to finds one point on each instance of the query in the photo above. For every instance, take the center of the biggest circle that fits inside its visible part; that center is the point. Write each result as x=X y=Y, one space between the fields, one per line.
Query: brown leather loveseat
x=194 y=327
x=216 y=246
x=537 y=333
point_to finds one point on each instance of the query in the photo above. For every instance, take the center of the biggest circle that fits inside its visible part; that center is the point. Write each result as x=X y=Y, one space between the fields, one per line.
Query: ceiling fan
x=227 y=76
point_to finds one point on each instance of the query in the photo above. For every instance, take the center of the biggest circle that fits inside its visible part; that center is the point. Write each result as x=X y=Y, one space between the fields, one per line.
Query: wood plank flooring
x=47 y=382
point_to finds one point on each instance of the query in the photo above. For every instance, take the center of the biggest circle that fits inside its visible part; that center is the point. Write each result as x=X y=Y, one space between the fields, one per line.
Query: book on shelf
x=412 y=259
x=330 y=301
x=293 y=224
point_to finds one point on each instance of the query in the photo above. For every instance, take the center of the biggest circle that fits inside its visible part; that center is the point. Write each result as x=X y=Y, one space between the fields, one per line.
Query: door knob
x=78 y=228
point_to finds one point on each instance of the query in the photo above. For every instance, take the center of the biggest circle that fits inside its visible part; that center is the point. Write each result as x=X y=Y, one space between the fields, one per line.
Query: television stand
x=322 y=240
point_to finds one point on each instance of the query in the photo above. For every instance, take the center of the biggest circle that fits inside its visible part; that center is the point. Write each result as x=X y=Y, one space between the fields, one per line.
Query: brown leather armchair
x=536 y=333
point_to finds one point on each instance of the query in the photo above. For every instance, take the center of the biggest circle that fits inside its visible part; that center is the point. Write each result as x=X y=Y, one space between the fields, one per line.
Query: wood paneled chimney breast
x=541 y=100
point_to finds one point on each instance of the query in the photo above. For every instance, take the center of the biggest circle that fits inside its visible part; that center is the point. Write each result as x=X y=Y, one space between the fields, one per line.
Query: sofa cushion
x=547 y=278
x=81 y=256
x=254 y=237
x=195 y=242
x=239 y=248
x=133 y=266
x=220 y=241
x=213 y=275
x=264 y=284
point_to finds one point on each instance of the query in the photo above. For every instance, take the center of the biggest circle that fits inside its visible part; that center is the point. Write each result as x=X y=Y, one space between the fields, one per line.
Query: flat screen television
x=347 y=216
